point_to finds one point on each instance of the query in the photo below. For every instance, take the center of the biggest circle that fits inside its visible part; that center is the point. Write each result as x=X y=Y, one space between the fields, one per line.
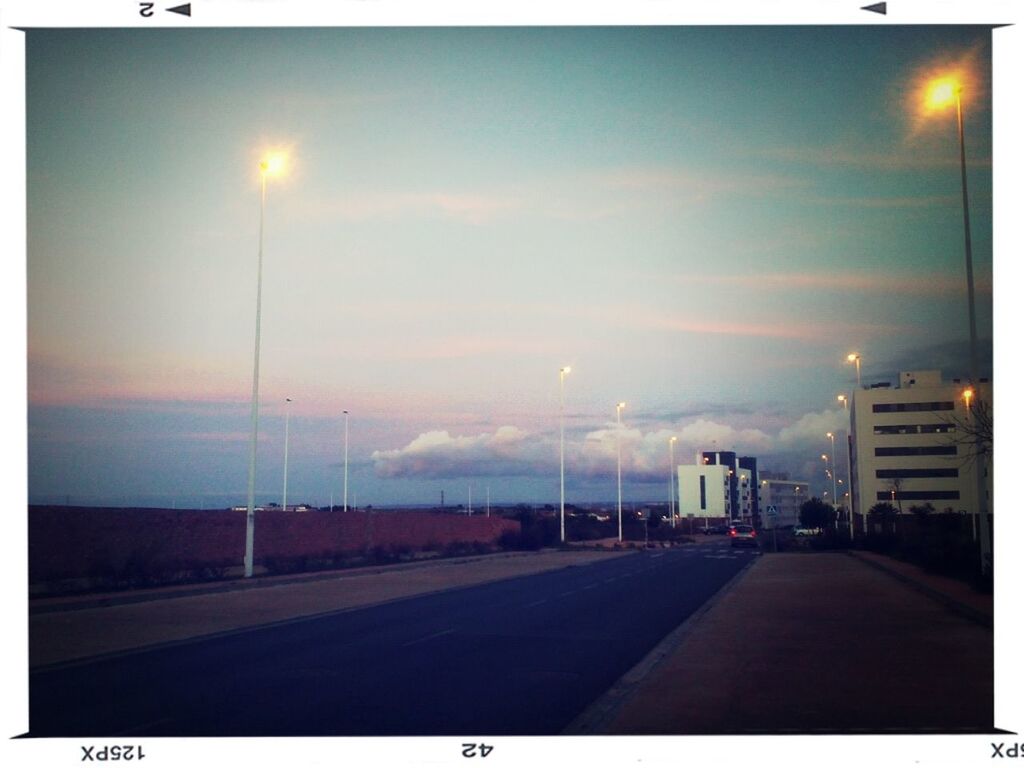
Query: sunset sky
x=701 y=222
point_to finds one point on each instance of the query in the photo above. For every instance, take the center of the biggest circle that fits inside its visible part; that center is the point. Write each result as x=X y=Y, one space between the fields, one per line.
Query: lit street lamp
x=561 y=443
x=854 y=358
x=284 y=492
x=941 y=93
x=271 y=165
x=618 y=449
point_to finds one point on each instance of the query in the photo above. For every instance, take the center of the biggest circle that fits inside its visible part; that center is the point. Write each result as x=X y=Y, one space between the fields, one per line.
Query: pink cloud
x=912 y=285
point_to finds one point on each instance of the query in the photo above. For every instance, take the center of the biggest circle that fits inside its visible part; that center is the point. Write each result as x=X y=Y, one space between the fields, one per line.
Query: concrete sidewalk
x=69 y=629
x=817 y=643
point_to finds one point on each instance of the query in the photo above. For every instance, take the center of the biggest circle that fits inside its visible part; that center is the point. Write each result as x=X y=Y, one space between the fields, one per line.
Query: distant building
x=720 y=484
x=908 y=448
x=784 y=497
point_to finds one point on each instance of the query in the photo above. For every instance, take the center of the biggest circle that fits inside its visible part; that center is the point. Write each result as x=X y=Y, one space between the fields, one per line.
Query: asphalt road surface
x=522 y=656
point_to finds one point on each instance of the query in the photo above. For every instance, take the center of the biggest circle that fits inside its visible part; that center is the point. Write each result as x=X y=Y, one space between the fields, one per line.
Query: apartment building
x=909 y=447
x=720 y=485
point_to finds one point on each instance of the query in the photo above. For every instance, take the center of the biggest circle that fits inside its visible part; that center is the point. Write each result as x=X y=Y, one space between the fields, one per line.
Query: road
x=522 y=656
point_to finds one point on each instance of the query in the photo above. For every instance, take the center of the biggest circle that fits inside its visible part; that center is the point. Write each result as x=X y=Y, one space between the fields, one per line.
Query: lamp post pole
x=832 y=438
x=345 y=491
x=979 y=458
x=854 y=358
x=672 y=479
x=284 y=492
x=561 y=444
x=250 y=512
x=618 y=448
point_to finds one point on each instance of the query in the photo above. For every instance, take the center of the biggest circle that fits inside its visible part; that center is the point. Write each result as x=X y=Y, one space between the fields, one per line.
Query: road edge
x=603 y=710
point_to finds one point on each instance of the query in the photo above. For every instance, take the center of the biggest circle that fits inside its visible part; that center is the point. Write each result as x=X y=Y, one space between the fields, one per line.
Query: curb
x=173 y=592
x=603 y=710
x=980 y=617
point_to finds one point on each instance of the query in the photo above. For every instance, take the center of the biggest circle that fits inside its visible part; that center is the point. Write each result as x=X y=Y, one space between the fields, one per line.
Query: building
x=784 y=497
x=720 y=485
x=908 y=447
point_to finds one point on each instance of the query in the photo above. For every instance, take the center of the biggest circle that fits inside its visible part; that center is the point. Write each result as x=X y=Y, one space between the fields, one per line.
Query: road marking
x=566 y=594
x=537 y=602
x=609 y=581
x=590 y=586
x=429 y=637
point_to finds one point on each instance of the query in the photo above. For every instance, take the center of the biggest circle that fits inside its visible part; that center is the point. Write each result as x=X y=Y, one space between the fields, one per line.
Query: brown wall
x=67 y=543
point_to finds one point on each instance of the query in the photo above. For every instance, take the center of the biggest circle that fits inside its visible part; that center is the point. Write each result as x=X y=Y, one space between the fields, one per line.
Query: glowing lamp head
x=941 y=93
x=828 y=435
x=968 y=394
x=273 y=164
x=565 y=370
x=620 y=405
x=853 y=356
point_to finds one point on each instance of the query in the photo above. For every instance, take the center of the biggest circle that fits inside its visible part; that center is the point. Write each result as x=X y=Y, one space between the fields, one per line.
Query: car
x=806 y=531
x=743 y=536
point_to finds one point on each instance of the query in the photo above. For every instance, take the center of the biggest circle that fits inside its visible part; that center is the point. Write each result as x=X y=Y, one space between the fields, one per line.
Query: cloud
x=935 y=284
x=470 y=207
x=509 y=452
x=513 y=452
x=812 y=427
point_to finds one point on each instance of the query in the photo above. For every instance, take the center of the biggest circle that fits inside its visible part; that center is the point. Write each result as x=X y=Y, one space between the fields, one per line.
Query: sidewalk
x=68 y=629
x=817 y=643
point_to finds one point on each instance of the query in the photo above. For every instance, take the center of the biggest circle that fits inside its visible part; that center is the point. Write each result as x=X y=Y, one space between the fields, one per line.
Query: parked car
x=743 y=536
x=806 y=531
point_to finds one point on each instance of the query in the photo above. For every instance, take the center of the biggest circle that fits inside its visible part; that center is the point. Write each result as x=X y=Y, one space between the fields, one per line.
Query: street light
x=941 y=93
x=832 y=437
x=854 y=358
x=271 y=165
x=561 y=443
x=344 y=507
x=284 y=492
x=618 y=449
x=672 y=479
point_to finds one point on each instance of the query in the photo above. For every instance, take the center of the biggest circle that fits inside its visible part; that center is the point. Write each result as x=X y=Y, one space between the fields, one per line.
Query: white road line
x=566 y=594
x=428 y=637
x=590 y=586
x=536 y=602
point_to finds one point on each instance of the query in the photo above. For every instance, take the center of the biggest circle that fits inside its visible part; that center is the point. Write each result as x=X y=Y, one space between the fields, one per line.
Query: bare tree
x=972 y=434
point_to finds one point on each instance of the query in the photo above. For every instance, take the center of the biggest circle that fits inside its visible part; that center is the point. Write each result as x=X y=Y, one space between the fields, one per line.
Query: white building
x=718 y=490
x=785 y=497
x=909 y=447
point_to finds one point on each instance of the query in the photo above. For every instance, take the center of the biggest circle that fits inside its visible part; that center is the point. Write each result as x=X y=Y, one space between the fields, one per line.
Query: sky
x=701 y=221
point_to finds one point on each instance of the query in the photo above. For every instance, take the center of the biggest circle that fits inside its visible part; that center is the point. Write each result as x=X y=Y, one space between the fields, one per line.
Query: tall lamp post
x=835 y=499
x=345 y=491
x=271 y=165
x=854 y=358
x=672 y=479
x=941 y=93
x=618 y=450
x=561 y=443
x=284 y=492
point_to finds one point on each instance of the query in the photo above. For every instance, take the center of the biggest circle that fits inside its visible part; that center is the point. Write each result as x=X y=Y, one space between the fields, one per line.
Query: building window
x=892 y=473
x=703 y=498
x=912 y=429
x=917 y=495
x=924 y=450
x=946 y=405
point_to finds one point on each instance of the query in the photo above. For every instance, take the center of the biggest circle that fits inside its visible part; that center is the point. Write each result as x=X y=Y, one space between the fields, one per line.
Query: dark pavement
x=816 y=643
x=520 y=656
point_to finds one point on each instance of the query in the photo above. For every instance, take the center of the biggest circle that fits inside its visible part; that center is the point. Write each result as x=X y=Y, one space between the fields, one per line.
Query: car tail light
x=732 y=531
x=753 y=533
